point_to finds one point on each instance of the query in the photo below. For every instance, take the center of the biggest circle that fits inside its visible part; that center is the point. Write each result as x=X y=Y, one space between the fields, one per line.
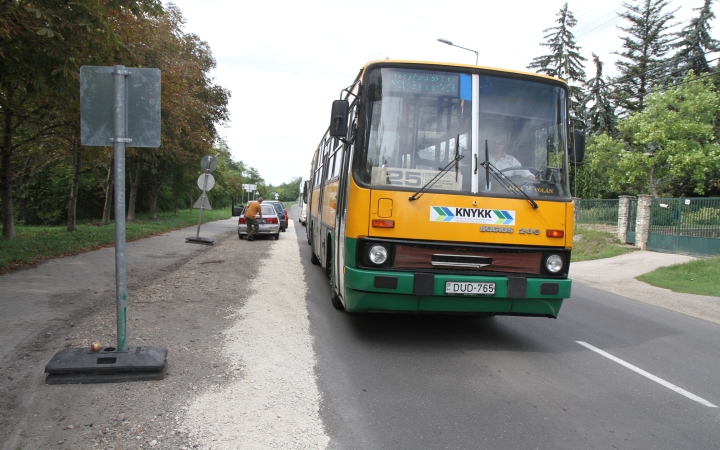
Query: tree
x=564 y=60
x=643 y=62
x=289 y=191
x=599 y=111
x=192 y=106
x=42 y=45
x=592 y=178
x=672 y=141
x=694 y=42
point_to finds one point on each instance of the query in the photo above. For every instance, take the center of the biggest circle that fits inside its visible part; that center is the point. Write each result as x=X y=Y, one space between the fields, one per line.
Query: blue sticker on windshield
x=465 y=87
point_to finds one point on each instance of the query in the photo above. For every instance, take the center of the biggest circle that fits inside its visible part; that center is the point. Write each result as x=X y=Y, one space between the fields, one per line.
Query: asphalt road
x=436 y=382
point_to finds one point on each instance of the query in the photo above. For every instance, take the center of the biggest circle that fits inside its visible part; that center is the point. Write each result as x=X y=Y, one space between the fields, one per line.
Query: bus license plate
x=464 y=288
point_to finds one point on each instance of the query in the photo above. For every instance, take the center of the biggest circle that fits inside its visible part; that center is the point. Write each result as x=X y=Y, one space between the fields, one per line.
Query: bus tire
x=336 y=302
x=328 y=263
x=314 y=259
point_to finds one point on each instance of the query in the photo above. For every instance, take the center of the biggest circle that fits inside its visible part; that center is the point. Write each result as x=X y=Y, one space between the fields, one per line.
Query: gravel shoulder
x=240 y=360
x=617 y=275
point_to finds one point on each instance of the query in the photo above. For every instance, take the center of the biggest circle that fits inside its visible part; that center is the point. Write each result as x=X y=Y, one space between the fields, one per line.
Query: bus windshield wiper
x=504 y=181
x=435 y=179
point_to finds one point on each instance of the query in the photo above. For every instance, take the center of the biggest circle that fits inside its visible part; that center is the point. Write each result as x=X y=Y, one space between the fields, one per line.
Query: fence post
x=576 y=202
x=642 y=226
x=623 y=217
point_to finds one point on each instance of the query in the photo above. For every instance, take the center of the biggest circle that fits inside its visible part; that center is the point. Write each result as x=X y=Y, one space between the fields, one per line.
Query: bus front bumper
x=373 y=290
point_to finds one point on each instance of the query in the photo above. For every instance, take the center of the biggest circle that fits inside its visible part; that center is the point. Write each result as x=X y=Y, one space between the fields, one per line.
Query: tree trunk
x=655 y=192
x=108 y=193
x=72 y=205
x=20 y=189
x=6 y=178
x=156 y=186
x=134 y=183
x=152 y=214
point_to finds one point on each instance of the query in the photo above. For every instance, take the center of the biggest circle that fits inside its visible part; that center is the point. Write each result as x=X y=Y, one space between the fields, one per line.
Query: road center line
x=648 y=375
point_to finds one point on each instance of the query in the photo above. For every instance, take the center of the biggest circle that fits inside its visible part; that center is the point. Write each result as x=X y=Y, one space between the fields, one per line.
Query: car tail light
x=272 y=220
x=241 y=220
x=555 y=233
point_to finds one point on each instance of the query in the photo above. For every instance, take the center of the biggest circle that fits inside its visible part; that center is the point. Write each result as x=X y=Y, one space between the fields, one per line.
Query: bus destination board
x=424 y=82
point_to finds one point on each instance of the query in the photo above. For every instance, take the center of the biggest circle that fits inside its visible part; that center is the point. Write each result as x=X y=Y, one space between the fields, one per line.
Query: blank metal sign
x=142 y=111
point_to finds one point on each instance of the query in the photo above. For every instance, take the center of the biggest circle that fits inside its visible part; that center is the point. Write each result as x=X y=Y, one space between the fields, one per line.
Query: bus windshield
x=416 y=121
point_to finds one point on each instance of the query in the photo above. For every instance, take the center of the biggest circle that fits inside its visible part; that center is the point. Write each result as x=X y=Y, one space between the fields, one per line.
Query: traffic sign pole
x=204 y=189
x=133 y=111
x=119 y=74
x=205 y=182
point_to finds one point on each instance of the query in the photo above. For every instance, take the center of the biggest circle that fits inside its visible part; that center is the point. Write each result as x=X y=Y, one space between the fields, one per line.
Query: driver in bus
x=502 y=160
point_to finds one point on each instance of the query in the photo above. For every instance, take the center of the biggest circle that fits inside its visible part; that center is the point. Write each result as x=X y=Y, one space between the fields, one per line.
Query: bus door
x=340 y=219
x=318 y=241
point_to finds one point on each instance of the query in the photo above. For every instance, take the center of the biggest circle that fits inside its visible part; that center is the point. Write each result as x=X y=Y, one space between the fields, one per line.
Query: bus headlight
x=378 y=254
x=554 y=263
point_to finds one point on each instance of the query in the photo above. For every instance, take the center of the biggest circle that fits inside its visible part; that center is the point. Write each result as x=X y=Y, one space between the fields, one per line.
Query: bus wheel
x=328 y=264
x=335 y=299
x=314 y=259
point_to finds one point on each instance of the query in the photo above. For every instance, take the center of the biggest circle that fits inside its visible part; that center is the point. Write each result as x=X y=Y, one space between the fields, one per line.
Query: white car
x=268 y=226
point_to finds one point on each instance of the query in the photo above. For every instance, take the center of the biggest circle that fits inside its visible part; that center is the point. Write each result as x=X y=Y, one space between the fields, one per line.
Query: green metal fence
x=685 y=225
x=632 y=221
x=598 y=211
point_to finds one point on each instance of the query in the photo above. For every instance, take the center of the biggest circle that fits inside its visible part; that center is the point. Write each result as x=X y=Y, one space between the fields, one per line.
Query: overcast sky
x=285 y=61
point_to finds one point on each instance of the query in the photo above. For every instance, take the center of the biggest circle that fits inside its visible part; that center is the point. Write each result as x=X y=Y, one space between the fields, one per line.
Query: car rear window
x=278 y=207
x=268 y=210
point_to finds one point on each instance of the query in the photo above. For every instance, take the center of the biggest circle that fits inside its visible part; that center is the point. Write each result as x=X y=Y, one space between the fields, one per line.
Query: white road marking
x=668 y=385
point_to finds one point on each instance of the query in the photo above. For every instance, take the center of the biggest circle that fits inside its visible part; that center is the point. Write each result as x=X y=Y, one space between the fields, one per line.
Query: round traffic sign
x=208 y=162
x=210 y=181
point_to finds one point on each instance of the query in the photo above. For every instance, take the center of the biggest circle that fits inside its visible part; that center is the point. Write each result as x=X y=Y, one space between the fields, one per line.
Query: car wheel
x=277 y=236
x=283 y=230
x=240 y=236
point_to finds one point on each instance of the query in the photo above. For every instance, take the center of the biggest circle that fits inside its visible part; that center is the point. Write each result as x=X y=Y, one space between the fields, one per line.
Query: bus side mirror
x=305 y=191
x=339 y=118
x=577 y=151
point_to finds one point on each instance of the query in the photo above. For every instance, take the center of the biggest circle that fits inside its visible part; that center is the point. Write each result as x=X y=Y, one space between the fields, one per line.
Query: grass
x=595 y=245
x=34 y=244
x=698 y=277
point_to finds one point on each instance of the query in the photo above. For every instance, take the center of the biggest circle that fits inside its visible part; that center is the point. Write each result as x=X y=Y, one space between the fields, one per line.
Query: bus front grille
x=473 y=262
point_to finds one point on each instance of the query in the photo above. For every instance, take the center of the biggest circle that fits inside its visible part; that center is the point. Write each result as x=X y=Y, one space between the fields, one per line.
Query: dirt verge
x=240 y=363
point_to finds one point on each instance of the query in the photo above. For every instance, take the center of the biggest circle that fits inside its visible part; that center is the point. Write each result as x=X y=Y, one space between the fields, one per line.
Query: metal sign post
x=115 y=111
x=119 y=140
x=249 y=188
x=205 y=183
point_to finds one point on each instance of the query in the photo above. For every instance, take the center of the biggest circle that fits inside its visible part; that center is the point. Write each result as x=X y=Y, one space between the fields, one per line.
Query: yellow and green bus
x=443 y=188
